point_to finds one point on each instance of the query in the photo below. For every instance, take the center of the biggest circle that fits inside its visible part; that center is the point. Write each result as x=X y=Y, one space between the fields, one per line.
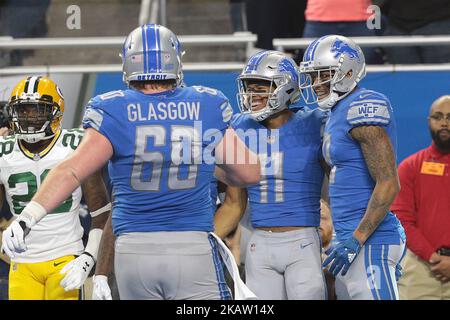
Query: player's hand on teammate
x=77 y=272
x=101 y=290
x=343 y=256
x=13 y=240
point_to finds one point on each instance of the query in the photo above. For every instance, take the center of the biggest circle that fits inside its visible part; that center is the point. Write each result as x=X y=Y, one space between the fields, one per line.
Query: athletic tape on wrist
x=95 y=235
x=34 y=210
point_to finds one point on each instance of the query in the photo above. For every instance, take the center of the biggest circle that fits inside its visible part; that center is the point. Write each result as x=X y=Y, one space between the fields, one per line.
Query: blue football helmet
x=343 y=63
x=152 y=52
x=280 y=72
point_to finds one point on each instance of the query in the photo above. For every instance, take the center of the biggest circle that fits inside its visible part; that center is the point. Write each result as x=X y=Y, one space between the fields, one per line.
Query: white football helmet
x=280 y=72
x=341 y=58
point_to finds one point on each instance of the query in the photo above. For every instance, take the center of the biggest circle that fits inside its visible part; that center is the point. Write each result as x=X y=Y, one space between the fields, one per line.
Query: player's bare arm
x=104 y=265
x=105 y=259
x=97 y=200
x=236 y=164
x=96 y=196
x=379 y=156
x=92 y=153
x=229 y=214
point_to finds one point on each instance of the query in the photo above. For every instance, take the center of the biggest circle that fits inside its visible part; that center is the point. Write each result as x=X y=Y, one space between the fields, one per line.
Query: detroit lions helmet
x=338 y=56
x=152 y=52
x=280 y=72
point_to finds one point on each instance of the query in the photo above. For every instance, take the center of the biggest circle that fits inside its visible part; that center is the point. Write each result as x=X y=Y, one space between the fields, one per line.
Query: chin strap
x=329 y=102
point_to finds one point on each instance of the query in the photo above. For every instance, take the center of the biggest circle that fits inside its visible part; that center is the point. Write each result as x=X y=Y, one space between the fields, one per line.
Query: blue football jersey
x=351 y=185
x=291 y=175
x=163 y=160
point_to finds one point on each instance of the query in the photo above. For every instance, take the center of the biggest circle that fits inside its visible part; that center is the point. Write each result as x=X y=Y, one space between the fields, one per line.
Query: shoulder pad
x=106 y=98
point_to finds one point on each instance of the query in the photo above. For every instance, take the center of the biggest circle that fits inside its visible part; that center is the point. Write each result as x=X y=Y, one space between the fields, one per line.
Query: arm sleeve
x=405 y=209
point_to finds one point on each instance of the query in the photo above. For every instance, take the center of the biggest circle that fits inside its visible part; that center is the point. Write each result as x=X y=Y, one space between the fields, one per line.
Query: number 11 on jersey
x=272 y=166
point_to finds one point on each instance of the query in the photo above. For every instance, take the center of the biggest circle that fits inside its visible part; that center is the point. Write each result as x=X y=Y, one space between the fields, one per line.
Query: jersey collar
x=39 y=155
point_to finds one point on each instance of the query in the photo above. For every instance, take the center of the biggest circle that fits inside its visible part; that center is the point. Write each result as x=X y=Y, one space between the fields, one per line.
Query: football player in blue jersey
x=283 y=259
x=360 y=142
x=163 y=143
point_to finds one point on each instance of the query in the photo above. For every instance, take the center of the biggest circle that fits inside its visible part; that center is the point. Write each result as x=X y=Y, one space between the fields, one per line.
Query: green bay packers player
x=55 y=264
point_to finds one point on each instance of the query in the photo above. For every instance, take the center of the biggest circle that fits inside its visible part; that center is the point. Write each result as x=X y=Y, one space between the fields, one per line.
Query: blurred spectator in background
x=418 y=17
x=286 y=21
x=238 y=15
x=423 y=207
x=344 y=17
x=5 y=218
x=21 y=19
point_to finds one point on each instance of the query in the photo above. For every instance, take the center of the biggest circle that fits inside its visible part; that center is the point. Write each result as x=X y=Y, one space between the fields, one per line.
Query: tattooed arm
x=380 y=160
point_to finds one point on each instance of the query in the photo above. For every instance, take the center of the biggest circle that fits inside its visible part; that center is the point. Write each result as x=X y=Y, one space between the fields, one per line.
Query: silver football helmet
x=152 y=52
x=334 y=61
x=280 y=72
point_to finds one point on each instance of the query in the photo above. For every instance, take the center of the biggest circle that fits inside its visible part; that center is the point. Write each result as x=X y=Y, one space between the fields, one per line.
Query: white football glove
x=13 y=240
x=101 y=289
x=77 y=272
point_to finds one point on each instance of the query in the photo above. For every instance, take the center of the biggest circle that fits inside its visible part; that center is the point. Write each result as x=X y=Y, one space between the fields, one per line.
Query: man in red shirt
x=423 y=207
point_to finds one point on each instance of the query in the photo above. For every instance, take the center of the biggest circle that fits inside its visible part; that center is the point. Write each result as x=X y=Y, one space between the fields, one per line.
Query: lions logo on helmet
x=280 y=72
x=35 y=109
x=331 y=61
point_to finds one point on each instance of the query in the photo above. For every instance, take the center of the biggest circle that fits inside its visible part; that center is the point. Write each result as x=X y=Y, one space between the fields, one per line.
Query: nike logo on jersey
x=364 y=95
x=55 y=264
x=303 y=246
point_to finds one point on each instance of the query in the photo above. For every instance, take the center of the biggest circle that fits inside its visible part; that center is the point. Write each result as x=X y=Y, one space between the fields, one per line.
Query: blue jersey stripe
x=389 y=281
x=223 y=288
x=369 y=271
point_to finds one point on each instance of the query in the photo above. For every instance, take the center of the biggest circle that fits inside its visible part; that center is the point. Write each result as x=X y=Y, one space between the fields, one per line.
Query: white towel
x=241 y=291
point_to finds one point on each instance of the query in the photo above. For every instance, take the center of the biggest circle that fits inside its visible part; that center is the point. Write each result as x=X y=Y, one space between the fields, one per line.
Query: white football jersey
x=59 y=233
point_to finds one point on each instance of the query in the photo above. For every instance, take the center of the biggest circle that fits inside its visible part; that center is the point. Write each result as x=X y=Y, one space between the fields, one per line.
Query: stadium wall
x=411 y=94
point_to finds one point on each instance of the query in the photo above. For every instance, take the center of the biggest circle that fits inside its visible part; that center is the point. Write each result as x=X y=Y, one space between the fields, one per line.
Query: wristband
x=95 y=235
x=101 y=210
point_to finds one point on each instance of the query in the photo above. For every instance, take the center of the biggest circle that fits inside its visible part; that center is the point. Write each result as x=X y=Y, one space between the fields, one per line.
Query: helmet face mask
x=267 y=85
x=315 y=84
x=37 y=115
x=333 y=55
x=254 y=96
